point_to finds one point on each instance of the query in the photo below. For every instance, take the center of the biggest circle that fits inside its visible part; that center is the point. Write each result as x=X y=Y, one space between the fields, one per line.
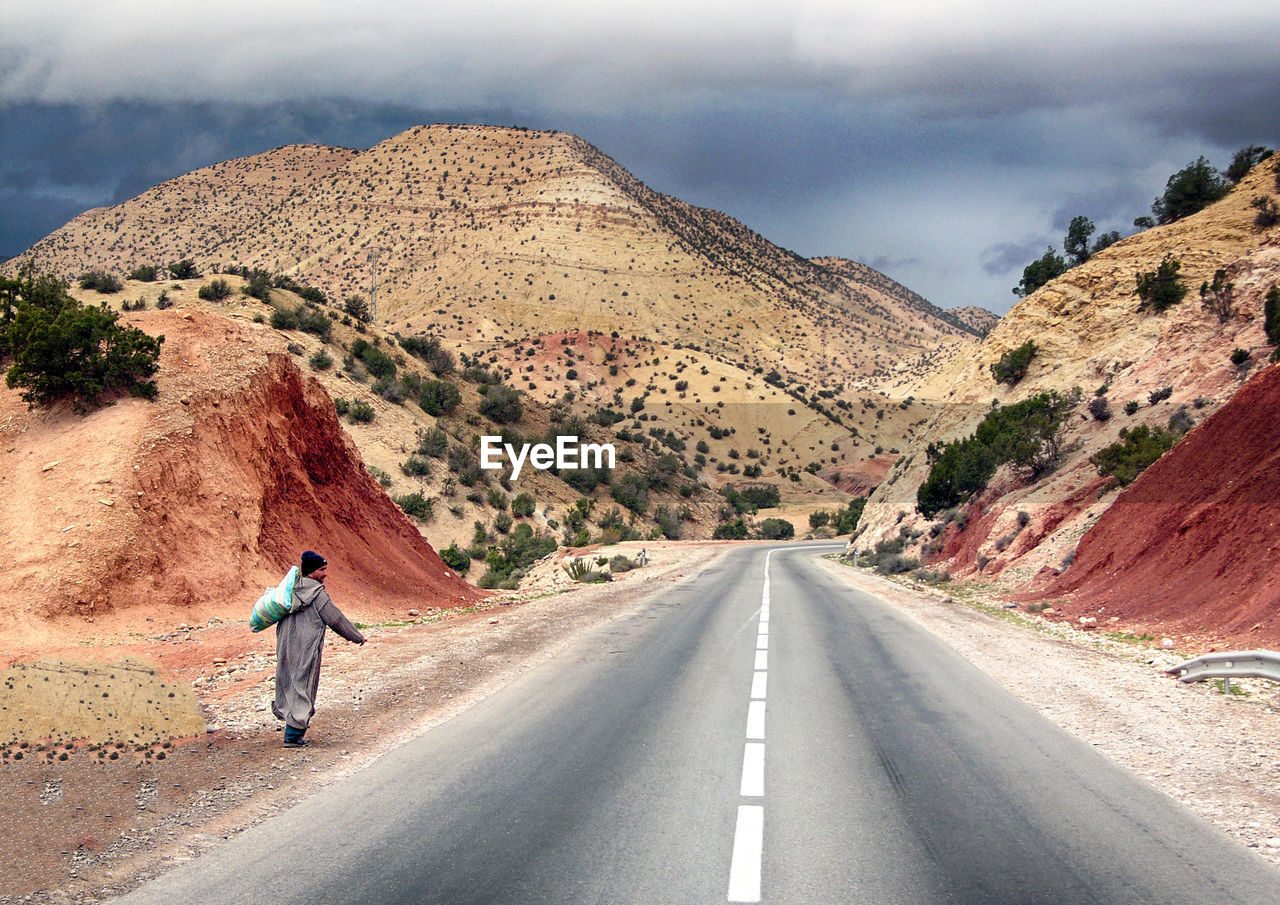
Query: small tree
x=1188 y=191
x=1048 y=266
x=1271 y=316
x=184 y=270
x=1245 y=160
x=79 y=353
x=1160 y=288
x=501 y=404
x=1076 y=243
x=1217 y=296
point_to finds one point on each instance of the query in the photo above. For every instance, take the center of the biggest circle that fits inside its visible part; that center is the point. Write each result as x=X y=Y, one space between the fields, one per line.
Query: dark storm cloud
x=942 y=141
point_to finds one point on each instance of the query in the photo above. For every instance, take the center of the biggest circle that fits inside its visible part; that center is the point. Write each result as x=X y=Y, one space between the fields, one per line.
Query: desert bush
x=1188 y=191
x=361 y=412
x=1159 y=395
x=1012 y=366
x=583 y=571
x=1130 y=456
x=455 y=559
x=284 y=319
x=416 y=506
x=1271 y=316
x=1217 y=296
x=1047 y=267
x=184 y=270
x=1240 y=357
x=144 y=273
x=430 y=351
x=214 y=291
x=439 y=397
x=1268 y=212
x=1245 y=160
x=1027 y=434
x=1099 y=408
x=416 y=467
x=523 y=505
x=1160 y=289
x=164 y=301
x=730 y=530
x=433 y=442
x=321 y=360
x=1131 y=406
x=501 y=404
x=100 y=281
x=61 y=349
x=777 y=529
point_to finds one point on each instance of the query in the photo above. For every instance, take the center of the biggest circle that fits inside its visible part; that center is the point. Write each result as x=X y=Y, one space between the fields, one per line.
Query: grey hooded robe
x=299 y=644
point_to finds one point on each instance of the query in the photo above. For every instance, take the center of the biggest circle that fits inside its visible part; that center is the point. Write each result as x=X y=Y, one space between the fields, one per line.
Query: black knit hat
x=311 y=562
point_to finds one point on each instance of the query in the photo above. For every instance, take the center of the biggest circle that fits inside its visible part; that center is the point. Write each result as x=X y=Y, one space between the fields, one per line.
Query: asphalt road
x=748 y=735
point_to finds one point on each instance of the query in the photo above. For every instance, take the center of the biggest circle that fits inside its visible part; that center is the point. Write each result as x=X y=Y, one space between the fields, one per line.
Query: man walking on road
x=299 y=645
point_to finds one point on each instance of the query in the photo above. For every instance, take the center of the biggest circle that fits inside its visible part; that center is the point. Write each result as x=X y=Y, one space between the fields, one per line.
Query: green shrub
x=361 y=411
x=429 y=350
x=1012 y=366
x=1027 y=434
x=1048 y=266
x=100 y=281
x=1239 y=357
x=321 y=360
x=777 y=529
x=523 y=506
x=434 y=443
x=1131 y=406
x=1130 y=456
x=730 y=530
x=215 y=291
x=439 y=397
x=1188 y=191
x=455 y=559
x=1161 y=289
x=1271 y=316
x=1244 y=160
x=416 y=467
x=846 y=520
x=501 y=404
x=1159 y=395
x=669 y=522
x=145 y=273
x=416 y=506
x=62 y=349
x=377 y=362
x=284 y=319
x=184 y=270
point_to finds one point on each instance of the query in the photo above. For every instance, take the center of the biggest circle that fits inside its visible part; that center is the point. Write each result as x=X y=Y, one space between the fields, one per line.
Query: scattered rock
x=415 y=613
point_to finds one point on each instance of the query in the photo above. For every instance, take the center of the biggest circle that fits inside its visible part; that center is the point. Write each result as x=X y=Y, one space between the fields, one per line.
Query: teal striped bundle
x=274 y=604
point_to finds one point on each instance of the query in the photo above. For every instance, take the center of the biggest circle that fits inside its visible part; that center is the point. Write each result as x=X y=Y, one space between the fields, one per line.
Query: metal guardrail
x=1228 y=665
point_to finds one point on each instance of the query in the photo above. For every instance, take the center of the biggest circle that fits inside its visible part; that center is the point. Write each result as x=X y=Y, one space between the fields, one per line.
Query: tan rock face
x=1090 y=335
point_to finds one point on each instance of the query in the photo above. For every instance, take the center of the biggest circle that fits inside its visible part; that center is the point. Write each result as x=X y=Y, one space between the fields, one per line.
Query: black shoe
x=296 y=743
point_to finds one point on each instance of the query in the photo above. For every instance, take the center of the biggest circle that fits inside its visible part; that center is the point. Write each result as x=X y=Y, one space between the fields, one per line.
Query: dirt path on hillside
x=88 y=827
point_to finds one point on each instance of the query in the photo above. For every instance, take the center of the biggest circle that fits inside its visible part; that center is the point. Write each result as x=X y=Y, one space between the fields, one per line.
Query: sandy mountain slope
x=1090 y=335
x=185 y=508
x=483 y=234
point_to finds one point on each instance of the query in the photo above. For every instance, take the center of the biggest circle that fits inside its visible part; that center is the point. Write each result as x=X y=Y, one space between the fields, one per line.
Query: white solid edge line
x=759 y=682
x=755 y=720
x=753 y=770
x=748 y=851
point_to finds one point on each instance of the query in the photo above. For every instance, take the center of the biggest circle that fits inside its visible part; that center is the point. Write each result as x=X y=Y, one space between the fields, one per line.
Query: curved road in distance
x=758 y=732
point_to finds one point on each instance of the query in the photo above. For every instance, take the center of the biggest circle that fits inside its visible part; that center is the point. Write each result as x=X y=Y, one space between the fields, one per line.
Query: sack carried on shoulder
x=274 y=604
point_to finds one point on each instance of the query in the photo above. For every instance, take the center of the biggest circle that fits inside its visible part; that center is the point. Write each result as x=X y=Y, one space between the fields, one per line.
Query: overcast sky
x=944 y=143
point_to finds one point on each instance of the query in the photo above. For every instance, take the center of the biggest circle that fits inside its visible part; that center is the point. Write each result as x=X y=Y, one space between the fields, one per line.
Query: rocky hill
x=186 y=508
x=484 y=235
x=1091 y=339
